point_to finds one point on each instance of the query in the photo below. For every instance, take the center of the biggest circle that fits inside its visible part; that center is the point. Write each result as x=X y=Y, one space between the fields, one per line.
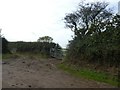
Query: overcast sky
x=27 y=20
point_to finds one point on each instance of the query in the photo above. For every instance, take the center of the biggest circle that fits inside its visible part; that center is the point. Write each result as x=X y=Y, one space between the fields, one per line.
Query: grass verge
x=28 y=55
x=8 y=56
x=89 y=74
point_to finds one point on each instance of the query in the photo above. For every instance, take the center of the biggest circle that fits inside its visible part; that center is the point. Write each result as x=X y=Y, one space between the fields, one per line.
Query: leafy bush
x=96 y=35
x=5 y=46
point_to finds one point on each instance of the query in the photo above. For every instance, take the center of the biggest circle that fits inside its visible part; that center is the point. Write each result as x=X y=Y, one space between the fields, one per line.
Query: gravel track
x=41 y=73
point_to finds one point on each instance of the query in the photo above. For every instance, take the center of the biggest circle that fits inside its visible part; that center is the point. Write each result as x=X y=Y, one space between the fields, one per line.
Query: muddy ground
x=27 y=72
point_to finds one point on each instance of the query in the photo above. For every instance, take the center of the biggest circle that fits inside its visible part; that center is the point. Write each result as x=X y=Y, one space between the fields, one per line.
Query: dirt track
x=32 y=73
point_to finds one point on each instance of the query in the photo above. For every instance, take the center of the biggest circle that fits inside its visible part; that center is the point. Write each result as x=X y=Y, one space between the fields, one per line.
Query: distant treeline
x=33 y=47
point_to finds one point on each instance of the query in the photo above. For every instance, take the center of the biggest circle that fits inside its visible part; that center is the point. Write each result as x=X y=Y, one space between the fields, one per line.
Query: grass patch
x=8 y=56
x=89 y=74
x=33 y=55
x=0 y=56
x=26 y=54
